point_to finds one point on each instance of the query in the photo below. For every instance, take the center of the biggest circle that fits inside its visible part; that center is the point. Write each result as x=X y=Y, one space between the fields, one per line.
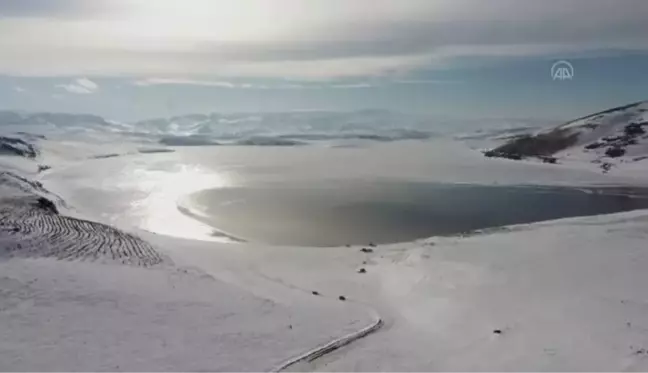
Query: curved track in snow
x=39 y=231
x=295 y=364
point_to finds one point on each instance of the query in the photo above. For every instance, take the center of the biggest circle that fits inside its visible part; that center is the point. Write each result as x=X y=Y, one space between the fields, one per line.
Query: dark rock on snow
x=615 y=152
x=47 y=205
x=16 y=146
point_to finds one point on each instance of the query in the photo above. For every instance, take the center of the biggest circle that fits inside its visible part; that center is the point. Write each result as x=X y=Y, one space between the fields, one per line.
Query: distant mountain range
x=249 y=129
x=57 y=119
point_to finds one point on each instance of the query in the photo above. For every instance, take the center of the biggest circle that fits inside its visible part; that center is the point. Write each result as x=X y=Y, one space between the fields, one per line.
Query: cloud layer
x=81 y=86
x=315 y=39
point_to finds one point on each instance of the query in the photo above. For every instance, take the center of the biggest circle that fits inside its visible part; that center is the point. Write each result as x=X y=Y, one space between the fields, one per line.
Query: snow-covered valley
x=104 y=279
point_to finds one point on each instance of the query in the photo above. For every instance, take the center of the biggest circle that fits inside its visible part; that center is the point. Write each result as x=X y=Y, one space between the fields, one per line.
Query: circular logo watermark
x=562 y=70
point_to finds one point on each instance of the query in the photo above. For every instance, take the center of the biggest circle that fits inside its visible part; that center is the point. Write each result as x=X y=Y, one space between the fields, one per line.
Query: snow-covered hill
x=618 y=133
x=608 y=138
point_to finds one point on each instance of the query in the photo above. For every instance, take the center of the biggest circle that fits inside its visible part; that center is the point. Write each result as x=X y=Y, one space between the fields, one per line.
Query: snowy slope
x=83 y=316
x=615 y=137
x=624 y=128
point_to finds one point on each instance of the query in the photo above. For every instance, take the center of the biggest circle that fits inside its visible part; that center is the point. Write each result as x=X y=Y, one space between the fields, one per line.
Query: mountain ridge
x=613 y=136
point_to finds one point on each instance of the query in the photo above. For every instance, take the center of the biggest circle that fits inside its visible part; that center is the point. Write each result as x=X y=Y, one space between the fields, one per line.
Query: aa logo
x=562 y=70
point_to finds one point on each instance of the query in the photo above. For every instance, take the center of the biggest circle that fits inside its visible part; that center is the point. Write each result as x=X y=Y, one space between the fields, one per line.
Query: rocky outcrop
x=17 y=146
x=542 y=146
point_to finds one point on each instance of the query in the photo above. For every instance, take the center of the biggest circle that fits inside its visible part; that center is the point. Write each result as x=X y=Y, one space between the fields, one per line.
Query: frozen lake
x=317 y=196
x=344 y=212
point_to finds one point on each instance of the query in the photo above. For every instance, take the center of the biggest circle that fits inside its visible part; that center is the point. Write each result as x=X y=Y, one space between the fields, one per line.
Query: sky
x=136 y=59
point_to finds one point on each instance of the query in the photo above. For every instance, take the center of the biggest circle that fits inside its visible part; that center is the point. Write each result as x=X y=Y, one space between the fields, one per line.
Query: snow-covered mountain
x=611 y=137
x=287 y=128
x=55 y=119
x=249 y=129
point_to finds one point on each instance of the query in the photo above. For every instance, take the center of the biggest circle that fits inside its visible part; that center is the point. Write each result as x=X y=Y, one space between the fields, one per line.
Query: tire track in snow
x=316 y=353
x=39 y=231
x=297 y=363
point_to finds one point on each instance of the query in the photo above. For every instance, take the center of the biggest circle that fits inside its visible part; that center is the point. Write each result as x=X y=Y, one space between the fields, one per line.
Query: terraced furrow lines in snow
x=40 y=231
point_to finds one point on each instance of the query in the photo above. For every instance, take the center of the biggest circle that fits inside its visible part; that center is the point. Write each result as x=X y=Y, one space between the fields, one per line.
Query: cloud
x=201 y=83
x=424 y=81
x=81 y=86
x=324 y=39
x=217 y=84
x=172 y=81
x=294 y=85
x=352 y=85
x=19 y=89
x=55 y=8
x=230 y=85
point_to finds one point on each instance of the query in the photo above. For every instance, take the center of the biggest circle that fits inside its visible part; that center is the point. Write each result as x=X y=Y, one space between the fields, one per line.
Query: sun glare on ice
x=163 y=189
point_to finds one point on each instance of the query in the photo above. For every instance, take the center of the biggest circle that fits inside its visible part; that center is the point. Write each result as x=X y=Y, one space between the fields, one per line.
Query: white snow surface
x=75 y=316
x=559 y=295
